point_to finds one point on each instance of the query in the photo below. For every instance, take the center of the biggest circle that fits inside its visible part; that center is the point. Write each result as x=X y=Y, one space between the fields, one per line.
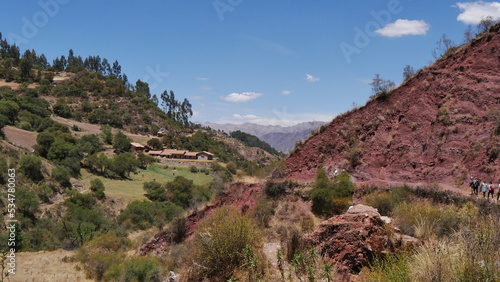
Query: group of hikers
x=487 y=189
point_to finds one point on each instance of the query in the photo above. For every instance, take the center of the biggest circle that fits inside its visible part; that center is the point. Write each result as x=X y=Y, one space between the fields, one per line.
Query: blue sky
x=263 y=61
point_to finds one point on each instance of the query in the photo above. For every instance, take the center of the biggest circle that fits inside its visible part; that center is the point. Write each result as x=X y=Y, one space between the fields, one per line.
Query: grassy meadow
x=132 y=189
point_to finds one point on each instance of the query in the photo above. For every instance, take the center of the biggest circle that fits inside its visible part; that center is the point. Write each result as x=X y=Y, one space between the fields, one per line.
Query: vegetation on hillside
x=253 y=141
x=331 y=198
x=95 y=93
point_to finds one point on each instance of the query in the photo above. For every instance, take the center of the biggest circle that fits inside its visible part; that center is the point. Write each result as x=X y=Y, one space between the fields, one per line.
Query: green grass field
x=132 y=189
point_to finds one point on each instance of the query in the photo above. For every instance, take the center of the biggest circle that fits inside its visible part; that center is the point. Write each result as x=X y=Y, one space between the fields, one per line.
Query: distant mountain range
x=279 y=137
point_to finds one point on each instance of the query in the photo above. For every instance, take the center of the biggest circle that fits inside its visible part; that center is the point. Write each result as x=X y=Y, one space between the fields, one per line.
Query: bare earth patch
x=14 y=85
x=19 y=137
x=88 y=128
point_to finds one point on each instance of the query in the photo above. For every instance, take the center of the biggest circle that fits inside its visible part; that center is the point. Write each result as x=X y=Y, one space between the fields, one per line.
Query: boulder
x=351 y=240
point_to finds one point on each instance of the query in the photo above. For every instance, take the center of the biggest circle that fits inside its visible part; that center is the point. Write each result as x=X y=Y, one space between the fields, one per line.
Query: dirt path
x=387 y=183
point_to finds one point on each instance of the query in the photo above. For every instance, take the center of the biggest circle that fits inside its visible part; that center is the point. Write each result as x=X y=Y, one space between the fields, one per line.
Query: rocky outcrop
x=353 y=239
x=440 y=126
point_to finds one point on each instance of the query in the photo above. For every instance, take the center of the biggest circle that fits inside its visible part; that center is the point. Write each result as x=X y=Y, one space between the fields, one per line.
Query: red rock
x=351 y=240
x=439 y=125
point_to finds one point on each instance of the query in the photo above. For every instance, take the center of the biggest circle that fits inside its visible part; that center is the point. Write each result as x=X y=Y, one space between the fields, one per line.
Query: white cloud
x=404 y=27
x=202 y=78
x=237 y=116
x=280 y=118
x=286 y=92
x=473 y=12
x=311 y=78
x=241 y=97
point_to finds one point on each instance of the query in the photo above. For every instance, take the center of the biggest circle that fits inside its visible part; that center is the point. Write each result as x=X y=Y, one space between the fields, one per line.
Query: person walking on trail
x=471 y=185
x=484 y=188
x=475 y=186
x=491 y=190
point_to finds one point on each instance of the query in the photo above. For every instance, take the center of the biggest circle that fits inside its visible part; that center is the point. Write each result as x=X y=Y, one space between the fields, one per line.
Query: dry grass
x=47 y=267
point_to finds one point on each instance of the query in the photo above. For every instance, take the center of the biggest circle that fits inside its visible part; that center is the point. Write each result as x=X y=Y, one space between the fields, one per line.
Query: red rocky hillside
x=440 y=126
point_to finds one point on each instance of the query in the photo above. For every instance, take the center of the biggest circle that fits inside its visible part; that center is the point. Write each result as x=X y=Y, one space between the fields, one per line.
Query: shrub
x=193 y=169
x=62 y=175
x=386 y=201
x=390 y=268
x=426 y=220
x=143 y=214
x=102 y=253
x=275 y=189
x=231 y=166
x=136 y=269
x=340 y=205
x=330 y=198
x=354 y=156
x=220 y=241
x=342 y=186
x=155 y=191
x=263 y=212
x=435 y=261
x=97 y=187
x=31 y=166
x=44 y=193
x=322 y=201
x=180 y=191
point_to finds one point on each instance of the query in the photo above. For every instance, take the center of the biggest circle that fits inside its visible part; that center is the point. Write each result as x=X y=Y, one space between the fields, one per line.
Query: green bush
x=136 y=269
x=31 y=167
x=144 y=214
x=390 y=268
x=97 y=187
x=62 y=175
x=155 y=191
x=180 y=191
x=329 y=198
x=193 y=169
x=342 y=186
x=275 y=189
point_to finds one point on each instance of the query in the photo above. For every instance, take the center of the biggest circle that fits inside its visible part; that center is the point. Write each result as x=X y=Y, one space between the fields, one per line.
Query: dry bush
x=426 y=220
x=435 y=261
x=471 y=254
x=480 y=244
x=136 y=269
x=386 y=201
x=176 y=257
x=264 y=211
x=219 y=244
x=101 y=253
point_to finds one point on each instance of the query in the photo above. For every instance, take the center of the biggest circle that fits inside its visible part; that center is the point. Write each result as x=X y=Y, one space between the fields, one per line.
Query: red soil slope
x=440 y=126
